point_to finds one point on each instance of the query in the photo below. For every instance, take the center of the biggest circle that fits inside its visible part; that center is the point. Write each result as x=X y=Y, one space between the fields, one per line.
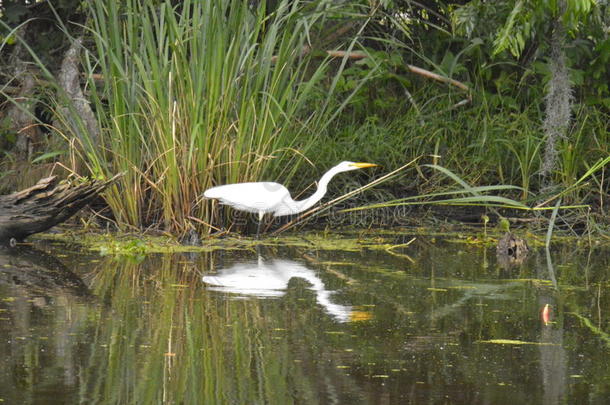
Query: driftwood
x=43 y=206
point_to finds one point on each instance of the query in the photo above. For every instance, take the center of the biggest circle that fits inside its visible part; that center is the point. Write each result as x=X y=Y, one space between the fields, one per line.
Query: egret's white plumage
x=269 y=197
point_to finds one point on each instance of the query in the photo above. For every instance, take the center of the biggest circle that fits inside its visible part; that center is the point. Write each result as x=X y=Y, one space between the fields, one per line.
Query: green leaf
x=505 y=36
x=47 y=156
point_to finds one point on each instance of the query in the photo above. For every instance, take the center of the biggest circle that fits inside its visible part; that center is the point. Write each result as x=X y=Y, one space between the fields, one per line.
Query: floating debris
x=546 y=314
x=516 y=342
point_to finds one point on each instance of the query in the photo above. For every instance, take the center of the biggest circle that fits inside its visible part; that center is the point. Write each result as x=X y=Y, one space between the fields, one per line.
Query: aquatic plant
x=198 y=94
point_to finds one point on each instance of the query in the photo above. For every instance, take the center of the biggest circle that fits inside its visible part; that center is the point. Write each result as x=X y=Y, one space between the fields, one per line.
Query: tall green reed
x=198 y=94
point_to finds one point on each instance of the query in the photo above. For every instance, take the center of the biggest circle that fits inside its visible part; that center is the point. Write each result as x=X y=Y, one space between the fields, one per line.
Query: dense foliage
x=190 y=94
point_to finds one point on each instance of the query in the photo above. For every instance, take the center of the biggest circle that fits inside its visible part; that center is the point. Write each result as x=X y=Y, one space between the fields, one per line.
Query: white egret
x=269 y=197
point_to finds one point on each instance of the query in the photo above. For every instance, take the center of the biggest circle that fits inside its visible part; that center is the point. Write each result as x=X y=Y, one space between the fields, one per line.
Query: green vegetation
x=203 y=93
x=136 y=247
x=192 y=94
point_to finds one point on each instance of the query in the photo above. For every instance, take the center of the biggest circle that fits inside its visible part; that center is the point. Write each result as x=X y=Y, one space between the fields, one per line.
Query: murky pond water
x=434 y=322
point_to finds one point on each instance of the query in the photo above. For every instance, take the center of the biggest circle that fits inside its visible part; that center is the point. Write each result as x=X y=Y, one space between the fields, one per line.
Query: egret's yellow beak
x=363 y=165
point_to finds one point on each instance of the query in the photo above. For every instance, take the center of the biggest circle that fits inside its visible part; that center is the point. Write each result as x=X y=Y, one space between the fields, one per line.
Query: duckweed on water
x=393 y=241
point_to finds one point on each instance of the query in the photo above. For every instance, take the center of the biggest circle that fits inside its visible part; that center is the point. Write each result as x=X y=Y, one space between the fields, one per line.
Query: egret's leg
x=221 y=220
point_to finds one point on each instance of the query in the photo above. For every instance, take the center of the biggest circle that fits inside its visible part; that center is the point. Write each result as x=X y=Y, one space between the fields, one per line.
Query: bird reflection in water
x=269 y=278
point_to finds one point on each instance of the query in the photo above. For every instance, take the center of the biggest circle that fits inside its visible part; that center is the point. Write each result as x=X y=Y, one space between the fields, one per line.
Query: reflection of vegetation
x=595 y=329
x=156 y=335
x=190 y=348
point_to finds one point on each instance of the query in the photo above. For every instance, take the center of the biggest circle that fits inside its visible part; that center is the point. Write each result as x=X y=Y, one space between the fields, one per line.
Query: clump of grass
x=485 y=144
x=198 y=94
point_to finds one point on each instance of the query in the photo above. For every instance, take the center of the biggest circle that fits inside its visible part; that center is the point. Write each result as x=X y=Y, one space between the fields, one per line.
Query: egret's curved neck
x=302 y=205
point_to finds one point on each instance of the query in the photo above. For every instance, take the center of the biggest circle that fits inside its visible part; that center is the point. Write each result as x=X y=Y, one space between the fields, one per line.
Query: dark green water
x=432 y=323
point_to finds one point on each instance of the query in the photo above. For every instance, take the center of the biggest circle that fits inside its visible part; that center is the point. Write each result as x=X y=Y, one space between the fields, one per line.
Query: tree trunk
x=76 y=114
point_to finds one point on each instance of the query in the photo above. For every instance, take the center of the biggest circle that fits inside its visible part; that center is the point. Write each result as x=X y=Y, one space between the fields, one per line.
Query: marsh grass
x=215 y=92
x=489 y=145
x=200 y=94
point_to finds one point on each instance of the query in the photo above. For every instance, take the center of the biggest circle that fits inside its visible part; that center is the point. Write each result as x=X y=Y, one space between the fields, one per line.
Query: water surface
x=434 y=322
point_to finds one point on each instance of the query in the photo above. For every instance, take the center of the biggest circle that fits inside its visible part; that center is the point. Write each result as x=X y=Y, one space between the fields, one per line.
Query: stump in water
x=43 y=206
x=511 y=250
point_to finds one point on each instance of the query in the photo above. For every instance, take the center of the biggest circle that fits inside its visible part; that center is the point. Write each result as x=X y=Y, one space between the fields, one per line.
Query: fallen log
x=44 y=205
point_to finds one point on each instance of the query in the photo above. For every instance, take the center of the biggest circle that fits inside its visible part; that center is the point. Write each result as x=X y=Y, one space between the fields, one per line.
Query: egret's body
x=260 y=198
x=269 y=197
